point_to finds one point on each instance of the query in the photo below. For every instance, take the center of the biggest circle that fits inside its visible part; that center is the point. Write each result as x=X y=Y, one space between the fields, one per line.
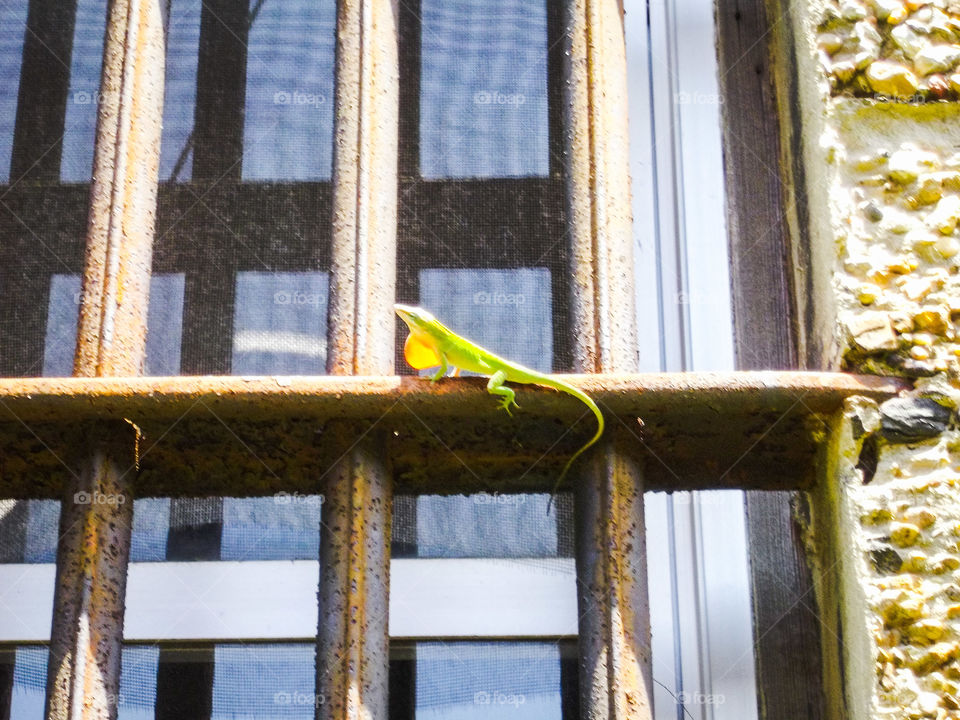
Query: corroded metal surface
x=83 y=679
x=364 y=237
x=352 y=639
x=615 y=673
x=207 y=436
x=598 y=188
x=123 y=193
x=614 y=627
x=353 y=644
x=83 y=674
x=165 y=399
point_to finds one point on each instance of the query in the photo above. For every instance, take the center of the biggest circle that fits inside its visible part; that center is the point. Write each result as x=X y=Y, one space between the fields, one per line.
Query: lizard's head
x=417 y=319
x=420 y=349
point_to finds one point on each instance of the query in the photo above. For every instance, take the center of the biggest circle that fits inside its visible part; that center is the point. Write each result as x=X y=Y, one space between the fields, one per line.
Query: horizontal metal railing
x=260 y=435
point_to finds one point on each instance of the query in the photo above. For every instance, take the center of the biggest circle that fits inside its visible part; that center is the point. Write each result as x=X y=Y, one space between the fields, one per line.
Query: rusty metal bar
x=352 y=639
x=615 y=672
x=68 y=400
x=92 y=555
x=111 y=337
x=83 y=675
x=363 y=263
x=255 y=436
x=199 y=433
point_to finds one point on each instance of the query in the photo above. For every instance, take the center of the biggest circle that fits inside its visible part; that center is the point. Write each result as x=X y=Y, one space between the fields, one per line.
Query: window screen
x=289 y=93
x=83 y=96
x=13 y=18
x=180 y=90
x=483 y=98
x=241 y=282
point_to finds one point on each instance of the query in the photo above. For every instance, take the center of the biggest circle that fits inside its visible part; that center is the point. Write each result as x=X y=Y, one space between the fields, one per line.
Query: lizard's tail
x=588 y=401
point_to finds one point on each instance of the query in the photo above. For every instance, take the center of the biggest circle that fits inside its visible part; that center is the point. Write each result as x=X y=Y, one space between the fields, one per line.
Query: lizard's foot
x=505 y=404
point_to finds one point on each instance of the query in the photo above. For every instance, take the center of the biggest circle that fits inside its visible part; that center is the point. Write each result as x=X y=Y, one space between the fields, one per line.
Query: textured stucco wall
x=879 y=107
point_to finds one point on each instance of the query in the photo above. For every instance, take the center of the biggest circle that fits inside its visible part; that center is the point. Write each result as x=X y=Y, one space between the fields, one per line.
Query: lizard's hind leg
x=495 y=386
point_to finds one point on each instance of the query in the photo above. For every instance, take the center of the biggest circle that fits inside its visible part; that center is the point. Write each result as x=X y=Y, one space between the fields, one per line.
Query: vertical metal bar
x=111 y=338
x=83 y=679
x=363 y=264
x=616 y=679
x=352 y=640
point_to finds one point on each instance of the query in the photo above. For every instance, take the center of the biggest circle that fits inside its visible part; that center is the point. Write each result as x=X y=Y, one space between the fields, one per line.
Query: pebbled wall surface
x=879 y=116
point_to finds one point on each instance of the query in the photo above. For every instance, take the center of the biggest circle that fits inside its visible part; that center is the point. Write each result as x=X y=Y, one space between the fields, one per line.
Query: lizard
x=430 y=344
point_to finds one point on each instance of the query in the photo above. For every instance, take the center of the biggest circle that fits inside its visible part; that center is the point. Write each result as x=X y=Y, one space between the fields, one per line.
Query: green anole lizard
x=430 y=343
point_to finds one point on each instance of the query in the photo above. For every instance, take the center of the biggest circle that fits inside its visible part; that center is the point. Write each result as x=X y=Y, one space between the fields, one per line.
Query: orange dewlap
x=418 y=354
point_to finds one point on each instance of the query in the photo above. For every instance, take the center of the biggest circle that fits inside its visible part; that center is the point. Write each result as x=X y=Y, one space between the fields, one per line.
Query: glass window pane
x=263 y=681
x=180 y=90
x=138 y=683
x=29 y=531
x=483 y=89
x=285 y=526
x=43 y=522
x=63 y=309
x=288 y=118
x=13 y=20
x=76 y=164
x=164 y=324
x=280 y=324
x=507 y=311
x=29 y=683
x=486 y=525
x=151 y=524
x=480 y=680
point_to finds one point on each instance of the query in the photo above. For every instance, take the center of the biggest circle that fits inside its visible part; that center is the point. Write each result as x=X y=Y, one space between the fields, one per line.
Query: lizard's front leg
x=495 y=386
x=443 y=369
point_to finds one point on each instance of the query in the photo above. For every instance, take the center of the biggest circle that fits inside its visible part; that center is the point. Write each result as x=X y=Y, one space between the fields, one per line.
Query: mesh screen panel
x=83 y=97
x=13 y=18
x=263 y=681
x=241 y=282
x=289 y=98
x=479 y=680
x=180 y=90
x=138 y=683
x=483 y=99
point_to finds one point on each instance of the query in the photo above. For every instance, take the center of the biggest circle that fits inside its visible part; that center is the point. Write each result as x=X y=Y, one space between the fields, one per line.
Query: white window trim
x=277 y=600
